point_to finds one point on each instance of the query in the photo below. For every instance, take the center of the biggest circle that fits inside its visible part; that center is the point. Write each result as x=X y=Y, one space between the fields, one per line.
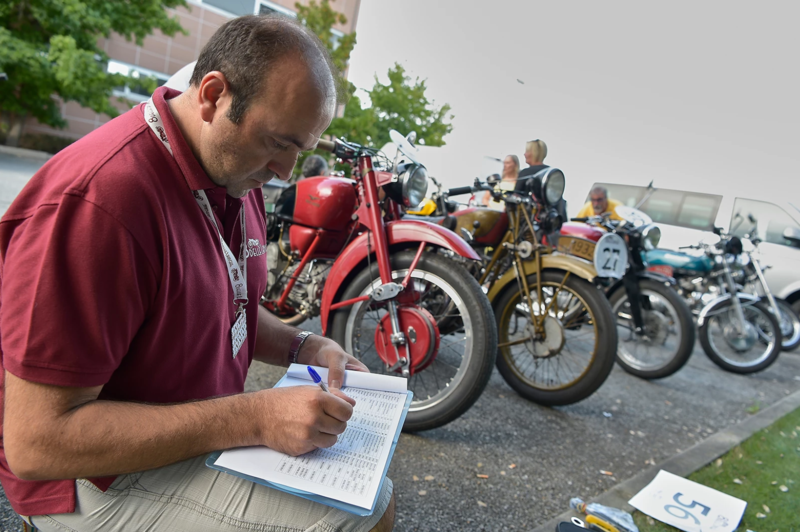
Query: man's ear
x=211 y=95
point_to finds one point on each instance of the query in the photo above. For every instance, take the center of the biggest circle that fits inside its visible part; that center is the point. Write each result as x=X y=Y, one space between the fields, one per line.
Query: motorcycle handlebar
x=457 y=191
x=327 y=145
x=581 y=219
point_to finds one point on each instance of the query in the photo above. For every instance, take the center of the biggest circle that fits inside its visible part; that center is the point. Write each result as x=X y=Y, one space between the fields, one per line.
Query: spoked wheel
x=666 y=342
x=442 y=301
x=790 y=326
x=738 y=349
x=568 y=356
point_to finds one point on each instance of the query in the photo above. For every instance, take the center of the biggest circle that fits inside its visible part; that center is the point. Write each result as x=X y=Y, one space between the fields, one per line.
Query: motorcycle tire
x=521 y=368
x=720 y=316
x=678 y=316
x=790 y=326
x=451 y=383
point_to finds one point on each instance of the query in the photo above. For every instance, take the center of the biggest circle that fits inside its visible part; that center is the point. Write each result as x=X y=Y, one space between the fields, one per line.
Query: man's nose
x=283 y=167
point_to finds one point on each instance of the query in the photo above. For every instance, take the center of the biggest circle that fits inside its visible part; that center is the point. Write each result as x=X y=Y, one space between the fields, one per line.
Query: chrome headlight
x=414 y=186
x=651 y=236
x=553 y=185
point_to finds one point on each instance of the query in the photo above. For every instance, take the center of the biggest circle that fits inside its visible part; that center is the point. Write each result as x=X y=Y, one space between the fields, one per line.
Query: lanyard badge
x=237 y=268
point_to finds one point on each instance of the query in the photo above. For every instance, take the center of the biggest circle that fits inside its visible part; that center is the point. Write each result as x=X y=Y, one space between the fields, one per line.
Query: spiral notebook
x=348 y=475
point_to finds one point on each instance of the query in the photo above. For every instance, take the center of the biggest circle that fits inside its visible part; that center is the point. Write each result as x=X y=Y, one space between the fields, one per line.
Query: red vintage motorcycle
x=394 y=293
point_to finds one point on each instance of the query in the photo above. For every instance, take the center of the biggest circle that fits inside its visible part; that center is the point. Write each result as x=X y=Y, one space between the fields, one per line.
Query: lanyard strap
x=237 y=269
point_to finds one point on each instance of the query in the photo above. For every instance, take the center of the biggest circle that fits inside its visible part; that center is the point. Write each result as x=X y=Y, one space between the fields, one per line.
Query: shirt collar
x=193 y=173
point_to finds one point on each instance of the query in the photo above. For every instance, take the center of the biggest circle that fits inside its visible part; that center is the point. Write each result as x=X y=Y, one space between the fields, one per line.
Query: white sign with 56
x=688 y=505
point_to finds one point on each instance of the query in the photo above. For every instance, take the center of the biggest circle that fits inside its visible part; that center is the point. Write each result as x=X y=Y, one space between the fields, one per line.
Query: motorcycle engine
x=307 y=291
x=697 y=292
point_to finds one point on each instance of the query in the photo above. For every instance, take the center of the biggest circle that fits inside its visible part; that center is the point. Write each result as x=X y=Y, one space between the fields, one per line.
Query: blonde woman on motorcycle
x=507 y=182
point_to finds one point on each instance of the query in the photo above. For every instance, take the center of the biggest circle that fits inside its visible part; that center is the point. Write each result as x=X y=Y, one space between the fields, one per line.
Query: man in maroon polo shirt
x=131 y=268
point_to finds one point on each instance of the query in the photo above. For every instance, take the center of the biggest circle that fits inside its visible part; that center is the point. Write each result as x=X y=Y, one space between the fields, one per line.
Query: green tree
x=320 y=18
x=49 y=49
x=402 y=105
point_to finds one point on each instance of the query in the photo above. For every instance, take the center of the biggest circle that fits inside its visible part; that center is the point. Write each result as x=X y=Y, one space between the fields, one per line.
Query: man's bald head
x=247 y=49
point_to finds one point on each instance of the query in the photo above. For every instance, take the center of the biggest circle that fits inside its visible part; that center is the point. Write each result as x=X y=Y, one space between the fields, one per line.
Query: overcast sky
x=695 y=95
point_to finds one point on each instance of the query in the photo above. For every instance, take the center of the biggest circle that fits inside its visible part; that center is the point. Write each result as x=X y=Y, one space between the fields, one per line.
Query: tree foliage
x=401 y=104
x=321 y=18
x=49 y=48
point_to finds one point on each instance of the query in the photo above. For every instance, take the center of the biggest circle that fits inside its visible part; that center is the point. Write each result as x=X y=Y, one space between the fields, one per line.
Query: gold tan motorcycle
x=557 y=339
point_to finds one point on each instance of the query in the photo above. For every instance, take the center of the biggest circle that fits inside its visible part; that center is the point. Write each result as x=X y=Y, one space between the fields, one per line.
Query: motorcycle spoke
x=514 y=342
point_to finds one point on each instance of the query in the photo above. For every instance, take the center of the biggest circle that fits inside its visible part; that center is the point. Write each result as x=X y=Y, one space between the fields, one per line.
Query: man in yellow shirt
x=599 y=204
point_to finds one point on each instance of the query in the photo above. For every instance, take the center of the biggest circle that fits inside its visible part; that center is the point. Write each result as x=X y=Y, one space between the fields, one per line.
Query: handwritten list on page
x=351 y=471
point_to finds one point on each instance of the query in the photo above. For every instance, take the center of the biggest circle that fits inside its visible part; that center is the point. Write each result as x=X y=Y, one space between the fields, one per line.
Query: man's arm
x=54 y=432
x=274 y=338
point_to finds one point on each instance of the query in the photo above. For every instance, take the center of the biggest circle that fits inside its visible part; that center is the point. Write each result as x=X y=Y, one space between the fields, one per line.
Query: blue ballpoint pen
x=317 y=379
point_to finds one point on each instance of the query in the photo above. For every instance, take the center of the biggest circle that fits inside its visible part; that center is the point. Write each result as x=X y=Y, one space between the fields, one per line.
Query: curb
x=687 y=462
x=26 y=153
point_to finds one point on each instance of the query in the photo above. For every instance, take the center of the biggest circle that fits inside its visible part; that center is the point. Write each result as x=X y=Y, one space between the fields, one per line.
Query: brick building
x=162 y=56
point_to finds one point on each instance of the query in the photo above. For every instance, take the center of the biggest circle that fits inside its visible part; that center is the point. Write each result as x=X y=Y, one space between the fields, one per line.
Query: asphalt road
x=536 y=458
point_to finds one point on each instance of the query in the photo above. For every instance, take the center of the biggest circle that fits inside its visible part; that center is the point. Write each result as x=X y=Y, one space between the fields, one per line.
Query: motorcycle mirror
x=751 y=218
x=412 y=138
x=493 y=179
x=792 y=234
x=3 y=76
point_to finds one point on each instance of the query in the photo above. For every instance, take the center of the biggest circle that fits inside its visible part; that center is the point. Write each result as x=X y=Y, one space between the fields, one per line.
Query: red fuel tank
x=325 y=202
x=581 y=230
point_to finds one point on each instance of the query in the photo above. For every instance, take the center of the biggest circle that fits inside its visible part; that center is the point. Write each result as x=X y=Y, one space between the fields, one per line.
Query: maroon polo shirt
x=110 y=275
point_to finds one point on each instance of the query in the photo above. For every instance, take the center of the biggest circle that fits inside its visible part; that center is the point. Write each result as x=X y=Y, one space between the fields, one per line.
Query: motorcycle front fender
x=743 y=296
x=582 y=269
x=397 y=232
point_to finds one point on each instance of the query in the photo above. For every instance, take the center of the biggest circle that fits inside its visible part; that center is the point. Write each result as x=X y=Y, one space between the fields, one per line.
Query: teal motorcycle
x=737 y=330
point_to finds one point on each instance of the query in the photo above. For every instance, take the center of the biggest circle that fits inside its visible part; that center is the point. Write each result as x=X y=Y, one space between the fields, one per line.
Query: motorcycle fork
x=631 y=284
x=538 y=321
x=370 y=213
x=737 y=305
x=765 y=287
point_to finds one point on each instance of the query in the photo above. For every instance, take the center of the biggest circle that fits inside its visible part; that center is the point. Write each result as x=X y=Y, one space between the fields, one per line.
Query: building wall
x=162 y=56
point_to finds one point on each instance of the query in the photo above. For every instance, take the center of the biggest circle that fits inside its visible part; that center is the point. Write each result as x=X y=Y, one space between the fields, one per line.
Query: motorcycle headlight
x=553 y=184
x=410 y=187
x=651 y=236
x=415 y=186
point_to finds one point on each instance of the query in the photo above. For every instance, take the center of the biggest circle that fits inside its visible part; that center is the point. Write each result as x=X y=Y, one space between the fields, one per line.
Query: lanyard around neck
x=237 y=269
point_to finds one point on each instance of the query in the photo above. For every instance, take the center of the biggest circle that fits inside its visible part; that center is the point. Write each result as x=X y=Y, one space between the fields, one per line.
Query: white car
x=686 y=217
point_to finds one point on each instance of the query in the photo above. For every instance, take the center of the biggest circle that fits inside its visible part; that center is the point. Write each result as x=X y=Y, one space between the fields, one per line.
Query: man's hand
x=324 y=352
x=300 y=419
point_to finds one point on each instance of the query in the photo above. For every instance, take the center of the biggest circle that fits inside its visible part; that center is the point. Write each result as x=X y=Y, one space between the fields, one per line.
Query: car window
x=674 y=207
x=761 y=218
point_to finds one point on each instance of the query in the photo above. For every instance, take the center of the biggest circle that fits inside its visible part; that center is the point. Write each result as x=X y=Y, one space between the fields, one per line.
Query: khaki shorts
x=189 y=496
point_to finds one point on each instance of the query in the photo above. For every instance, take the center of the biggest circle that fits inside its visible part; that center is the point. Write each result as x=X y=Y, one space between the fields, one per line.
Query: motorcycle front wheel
x=668 y=338
x=752 y=349
x=790 y=326
x=449 y=383
x=573 y=357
